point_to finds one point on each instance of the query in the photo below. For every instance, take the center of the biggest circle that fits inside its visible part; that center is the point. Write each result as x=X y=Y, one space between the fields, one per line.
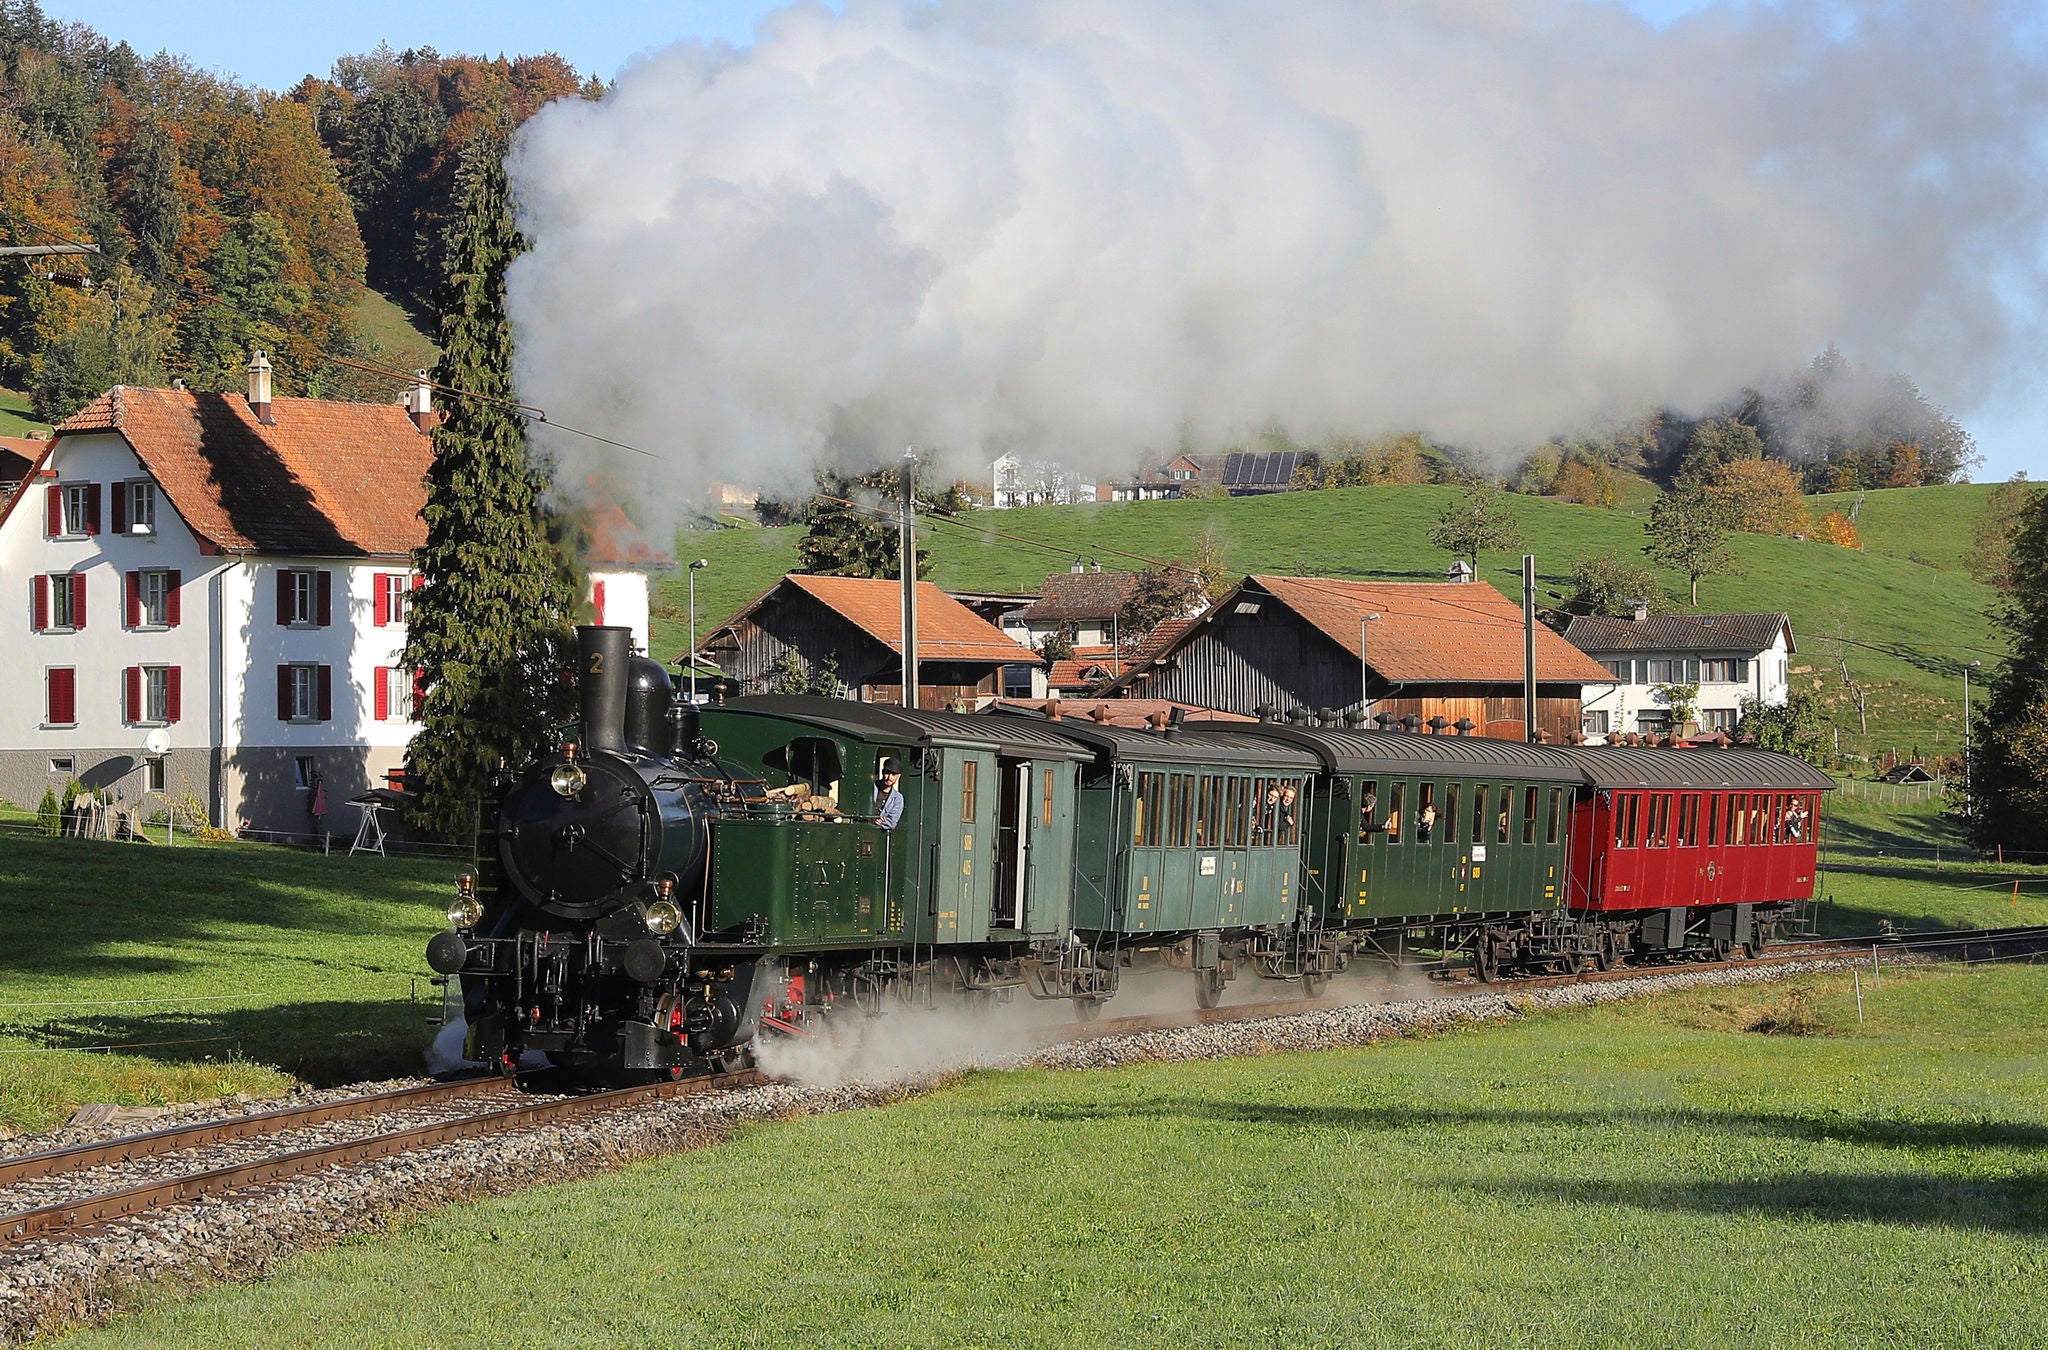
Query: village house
x=847 y=633
x=1017 y=481
x=1403 y=652
x=1731 y=657
x=1238 y=473
x=233 y=573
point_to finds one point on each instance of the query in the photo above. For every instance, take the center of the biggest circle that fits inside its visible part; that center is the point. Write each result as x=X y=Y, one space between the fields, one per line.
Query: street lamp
x=1364 y=670
x=695 y=568
x=1967 y=800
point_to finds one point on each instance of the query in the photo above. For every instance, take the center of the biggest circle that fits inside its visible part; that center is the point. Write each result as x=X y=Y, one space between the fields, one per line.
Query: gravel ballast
x=50 y=1283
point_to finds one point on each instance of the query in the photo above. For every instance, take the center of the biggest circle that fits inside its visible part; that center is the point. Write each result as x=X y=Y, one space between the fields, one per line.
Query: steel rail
x=73 y=1216
x=177 y=1138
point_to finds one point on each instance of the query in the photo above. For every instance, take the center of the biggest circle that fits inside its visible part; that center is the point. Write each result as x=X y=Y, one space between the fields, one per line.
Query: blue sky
x=273 y=46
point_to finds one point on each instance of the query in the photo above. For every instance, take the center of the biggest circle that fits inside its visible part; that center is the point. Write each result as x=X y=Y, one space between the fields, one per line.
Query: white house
x=235 y=573
x=1731 y=657
x=1036 y=482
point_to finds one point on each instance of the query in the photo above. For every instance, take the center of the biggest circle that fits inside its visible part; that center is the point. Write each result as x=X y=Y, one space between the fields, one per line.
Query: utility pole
x=695 y=568
x=1364 y=670
x=1529 y=646
x=906 y=561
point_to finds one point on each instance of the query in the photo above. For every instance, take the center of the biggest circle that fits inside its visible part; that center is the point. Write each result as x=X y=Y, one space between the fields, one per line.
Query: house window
x=1724 y=670
x=304 y=771
x=1663 y=670
x=60 y=697
x=1653 y=723
x=393 y=598
x=140 y=498
x=395 y=691
x=61 y=764
x=153 y=775
x=1718 y=719
x=154 y=599
x=149 y=694
x=1622 y=671
x=1593 y=723
x=305 y=598
x=156 y=693
x=58 y=599
x=305 y=693
x=78 y=504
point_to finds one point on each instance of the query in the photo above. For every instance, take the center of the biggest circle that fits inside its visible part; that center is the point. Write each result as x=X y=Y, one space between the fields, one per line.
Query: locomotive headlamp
x=664 y=917
x=568 y=779
x=465 y=912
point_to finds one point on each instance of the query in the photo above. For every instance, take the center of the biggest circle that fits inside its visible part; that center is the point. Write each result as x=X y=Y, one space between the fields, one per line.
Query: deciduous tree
x=1479 y=519
x=1604 y=584
x=491 y=627
x=1760 y=496
x=1992 y=533
x=1688 y=536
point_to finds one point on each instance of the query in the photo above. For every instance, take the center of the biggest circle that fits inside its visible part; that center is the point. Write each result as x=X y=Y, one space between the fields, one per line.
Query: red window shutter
x=78 y=600
x=326 y=592
x=381 y=615
x=92 y=508
x=418 y=580
x=174 y=694
x=120 y=508
x=63 y=696
x=53 y=500
x=284 y=693
x=381 y=694
x=284 y=596
x=131 y=590
x=419 y=694
x=173 y=608
x=327 y=693
x=131 y=702
x=597 y=598
x=39 y=600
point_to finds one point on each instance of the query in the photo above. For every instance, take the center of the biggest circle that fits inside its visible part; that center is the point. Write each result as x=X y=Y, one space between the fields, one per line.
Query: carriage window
x=1659 y=832
x=1394 y=808
x=967 y=768
x=1713 y=835
x=1265 y=809
x=1625 y=822
x=1528 y=815
x=1449 y=820
x=1145 y=810
x=1777 y=822
x=1209 y=813
x=1738 y=819
x=1688 y=821
x=1235 y=804
x=1479 y=814
x=1426 y=814
x=1045 y=802
x=1556 y=812
x=812 y=760
x=1180 y=796
x=1291 y=807
x=1507 y=799
x=1368 y=809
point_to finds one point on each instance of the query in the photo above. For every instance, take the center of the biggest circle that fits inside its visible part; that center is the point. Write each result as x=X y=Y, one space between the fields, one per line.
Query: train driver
x=888 y=799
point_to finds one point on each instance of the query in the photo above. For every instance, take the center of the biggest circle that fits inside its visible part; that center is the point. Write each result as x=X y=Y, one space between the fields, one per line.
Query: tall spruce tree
x=2009 y=781
x=491 y=627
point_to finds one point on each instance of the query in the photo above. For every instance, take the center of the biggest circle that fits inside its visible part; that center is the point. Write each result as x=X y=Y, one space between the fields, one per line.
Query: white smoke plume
x=1090 y=231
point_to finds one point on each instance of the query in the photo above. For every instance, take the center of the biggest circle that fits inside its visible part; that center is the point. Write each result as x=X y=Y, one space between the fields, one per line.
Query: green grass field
x=1911 y=624
x=391 y=328
x=1656 y=1173
x=16 y=418
x=1928 y=526
x=221 y=968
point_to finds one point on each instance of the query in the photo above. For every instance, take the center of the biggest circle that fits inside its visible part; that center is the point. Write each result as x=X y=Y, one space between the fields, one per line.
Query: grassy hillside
x=15 y=417
x=1928 y=526
x=1909 y=625
x=1808 y=1163
x=391 y=330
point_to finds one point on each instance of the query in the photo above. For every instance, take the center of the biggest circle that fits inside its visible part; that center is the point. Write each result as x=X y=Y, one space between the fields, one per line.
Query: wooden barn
x=1439 y=650
x=848 y=634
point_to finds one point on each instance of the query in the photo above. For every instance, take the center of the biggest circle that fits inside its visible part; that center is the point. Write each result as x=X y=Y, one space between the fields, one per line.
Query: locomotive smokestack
x=603 y=656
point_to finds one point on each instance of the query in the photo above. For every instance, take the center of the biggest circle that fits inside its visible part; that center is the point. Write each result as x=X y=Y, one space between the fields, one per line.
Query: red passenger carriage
x=1706 y=849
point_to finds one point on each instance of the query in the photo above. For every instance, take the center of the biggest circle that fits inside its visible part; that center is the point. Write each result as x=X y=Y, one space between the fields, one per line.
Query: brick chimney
x=419 y=401
x=1642 y=611
x=259 y=388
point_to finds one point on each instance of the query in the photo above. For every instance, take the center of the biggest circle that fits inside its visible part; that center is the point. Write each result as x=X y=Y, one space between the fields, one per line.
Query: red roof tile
x=611 y=539
x=946 y=629
x=1432 y=632
x=329 y=479
x=1077 y=674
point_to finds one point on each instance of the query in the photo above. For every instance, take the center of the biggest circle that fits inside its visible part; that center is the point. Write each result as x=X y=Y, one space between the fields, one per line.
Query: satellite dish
x=157 y=743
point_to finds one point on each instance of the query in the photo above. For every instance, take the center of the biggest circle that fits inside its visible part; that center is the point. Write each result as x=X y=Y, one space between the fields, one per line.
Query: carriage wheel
x=1086 y=1008
x=1484 y=962
x=1208 y=988
x=1604 y=955
x=1313 y=985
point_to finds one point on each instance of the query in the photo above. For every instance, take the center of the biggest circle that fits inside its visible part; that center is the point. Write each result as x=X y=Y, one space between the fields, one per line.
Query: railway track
x=102 y=1189
x=1967 y=945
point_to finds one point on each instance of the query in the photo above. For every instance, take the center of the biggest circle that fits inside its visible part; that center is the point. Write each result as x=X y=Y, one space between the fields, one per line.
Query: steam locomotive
x=673 y=881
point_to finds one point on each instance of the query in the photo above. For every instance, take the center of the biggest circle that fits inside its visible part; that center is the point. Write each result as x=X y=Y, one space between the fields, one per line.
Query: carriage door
x=1013 y=805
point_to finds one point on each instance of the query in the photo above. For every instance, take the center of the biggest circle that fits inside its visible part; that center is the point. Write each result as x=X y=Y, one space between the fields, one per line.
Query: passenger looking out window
x=1368 y=811
x=888 y=795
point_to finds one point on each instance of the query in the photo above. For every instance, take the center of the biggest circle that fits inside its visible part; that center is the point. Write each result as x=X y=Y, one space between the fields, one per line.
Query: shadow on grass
x=2017 y=1204
x=1861 y=1130
x=321 y=1043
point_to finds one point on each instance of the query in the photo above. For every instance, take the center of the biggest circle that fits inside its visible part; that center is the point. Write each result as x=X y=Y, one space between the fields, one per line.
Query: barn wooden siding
x=1241 y=661
x=871 y=671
